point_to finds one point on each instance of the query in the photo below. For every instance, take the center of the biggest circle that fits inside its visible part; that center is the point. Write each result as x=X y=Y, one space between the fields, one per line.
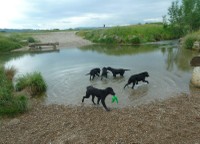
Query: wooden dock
x=43 y=46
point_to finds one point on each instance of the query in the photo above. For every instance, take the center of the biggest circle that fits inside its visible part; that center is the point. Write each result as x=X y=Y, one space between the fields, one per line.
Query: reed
x=33 y=82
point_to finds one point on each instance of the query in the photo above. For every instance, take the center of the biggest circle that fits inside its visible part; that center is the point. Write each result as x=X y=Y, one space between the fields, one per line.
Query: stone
x=195 y=61
x=196 y=77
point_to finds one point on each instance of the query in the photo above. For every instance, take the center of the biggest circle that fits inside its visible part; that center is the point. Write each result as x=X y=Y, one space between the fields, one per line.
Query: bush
x=134 y=40
x=31 y=40
x=189 y=39
x=33 y=82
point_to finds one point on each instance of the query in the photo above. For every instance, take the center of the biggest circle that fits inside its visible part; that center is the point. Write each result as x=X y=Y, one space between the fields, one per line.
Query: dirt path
x=65 y=39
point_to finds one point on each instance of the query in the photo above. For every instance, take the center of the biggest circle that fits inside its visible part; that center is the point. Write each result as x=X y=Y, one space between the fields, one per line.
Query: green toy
x=114 y=98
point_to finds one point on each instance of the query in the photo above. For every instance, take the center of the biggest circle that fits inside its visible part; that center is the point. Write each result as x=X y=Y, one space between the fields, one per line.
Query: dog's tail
x=87 y=74
x=126 y=69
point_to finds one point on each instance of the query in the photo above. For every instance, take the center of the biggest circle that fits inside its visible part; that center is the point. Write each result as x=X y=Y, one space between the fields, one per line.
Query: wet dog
x=94 y=72
x=101 y=95
x=117 y=71
x=104 y=73
x=134 y=79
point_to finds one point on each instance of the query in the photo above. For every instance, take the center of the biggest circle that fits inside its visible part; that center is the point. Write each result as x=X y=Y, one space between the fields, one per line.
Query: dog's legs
x=104 y=105
x=93 y=99
x=86 y=96
x=126 y=85
x=93 y=76
x=122 y=73
x=98 y=100
x=146 y=81
x=133 y=85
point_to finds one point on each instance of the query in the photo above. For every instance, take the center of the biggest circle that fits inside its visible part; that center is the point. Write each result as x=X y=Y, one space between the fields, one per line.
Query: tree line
x=184 y=16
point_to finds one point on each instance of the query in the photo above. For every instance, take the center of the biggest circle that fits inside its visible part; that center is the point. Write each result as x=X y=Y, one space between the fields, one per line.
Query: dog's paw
x=108 y=110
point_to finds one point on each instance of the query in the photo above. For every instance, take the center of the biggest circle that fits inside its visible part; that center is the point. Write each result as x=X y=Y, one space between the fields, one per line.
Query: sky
x=64 y=14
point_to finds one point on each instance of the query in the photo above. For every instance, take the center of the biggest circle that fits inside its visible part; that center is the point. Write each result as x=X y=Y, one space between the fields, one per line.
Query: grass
x=10 y=104
x=189 y=39
x=11 y=41
x=134 y=34
x=33 y=82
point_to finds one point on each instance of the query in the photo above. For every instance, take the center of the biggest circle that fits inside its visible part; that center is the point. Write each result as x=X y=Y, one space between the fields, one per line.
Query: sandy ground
x=176 y=120
x=65 y=39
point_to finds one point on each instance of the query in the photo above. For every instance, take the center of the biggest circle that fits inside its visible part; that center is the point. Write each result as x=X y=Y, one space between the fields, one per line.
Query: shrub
x=134 y=40
x=31 y=40
x=10 y=72
x=33 y=82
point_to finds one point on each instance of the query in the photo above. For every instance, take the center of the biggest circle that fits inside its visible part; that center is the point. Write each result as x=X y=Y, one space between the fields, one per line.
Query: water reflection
x=64 y=72
x=120 y=50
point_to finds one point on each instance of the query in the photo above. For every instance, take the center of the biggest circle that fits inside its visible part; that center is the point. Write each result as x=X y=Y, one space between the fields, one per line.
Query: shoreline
x=175 y=120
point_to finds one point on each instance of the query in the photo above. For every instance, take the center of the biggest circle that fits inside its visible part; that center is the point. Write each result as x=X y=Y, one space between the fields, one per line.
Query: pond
x=65 y=72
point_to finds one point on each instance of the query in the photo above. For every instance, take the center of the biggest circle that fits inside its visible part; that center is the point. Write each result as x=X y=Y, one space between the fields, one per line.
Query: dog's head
x=104 y=69
x=98 y=70
x=110 y=91
x=146 y=74
x=109 y=68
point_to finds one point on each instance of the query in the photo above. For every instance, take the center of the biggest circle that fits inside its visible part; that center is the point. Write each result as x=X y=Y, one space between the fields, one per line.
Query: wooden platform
x=43 y=46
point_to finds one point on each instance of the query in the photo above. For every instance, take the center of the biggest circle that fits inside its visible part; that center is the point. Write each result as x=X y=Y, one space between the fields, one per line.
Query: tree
x=185 y=15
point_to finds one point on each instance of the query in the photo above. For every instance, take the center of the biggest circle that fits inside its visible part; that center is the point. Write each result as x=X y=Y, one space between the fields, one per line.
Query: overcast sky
x=64 y=14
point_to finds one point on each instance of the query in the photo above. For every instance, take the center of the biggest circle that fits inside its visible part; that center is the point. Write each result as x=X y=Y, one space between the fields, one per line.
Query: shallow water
x=64 y=72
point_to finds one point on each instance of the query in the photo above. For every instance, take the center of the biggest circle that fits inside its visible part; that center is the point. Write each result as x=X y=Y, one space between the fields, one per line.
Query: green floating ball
x=114 y=98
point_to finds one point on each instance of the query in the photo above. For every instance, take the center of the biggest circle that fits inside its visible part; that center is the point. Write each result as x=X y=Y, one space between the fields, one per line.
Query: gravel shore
x=176 y=120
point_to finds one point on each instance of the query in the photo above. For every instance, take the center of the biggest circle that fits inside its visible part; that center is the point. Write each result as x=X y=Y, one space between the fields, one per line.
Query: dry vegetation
x=176 y=120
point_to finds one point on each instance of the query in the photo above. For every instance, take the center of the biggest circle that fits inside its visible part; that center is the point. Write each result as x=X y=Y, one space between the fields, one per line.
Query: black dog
x=94 y=72
x=104 y=73
x=117 y=71
x=99 y=93
x=136 y=78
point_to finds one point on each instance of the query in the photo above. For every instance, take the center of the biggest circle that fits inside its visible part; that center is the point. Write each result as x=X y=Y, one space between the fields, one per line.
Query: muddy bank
x=176 y=120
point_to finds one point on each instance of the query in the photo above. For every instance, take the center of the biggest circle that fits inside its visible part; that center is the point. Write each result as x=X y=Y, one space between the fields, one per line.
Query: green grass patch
x=134 y=34
x=11 y=41
x=33 y=82
x=10 y=104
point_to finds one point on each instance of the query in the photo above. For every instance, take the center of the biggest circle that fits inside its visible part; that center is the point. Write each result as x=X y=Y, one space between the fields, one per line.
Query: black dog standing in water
x=101 y=94
x=136 y=78
x=94 y=72
x=104 y=73
x=117 y=71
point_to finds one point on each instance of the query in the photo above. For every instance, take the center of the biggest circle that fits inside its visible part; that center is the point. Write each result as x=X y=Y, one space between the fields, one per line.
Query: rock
x=14 y=122
x=196 y=77
x=195 y=61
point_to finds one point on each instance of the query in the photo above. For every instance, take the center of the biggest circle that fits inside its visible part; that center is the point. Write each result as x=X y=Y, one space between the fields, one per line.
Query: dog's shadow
x=137 y=93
